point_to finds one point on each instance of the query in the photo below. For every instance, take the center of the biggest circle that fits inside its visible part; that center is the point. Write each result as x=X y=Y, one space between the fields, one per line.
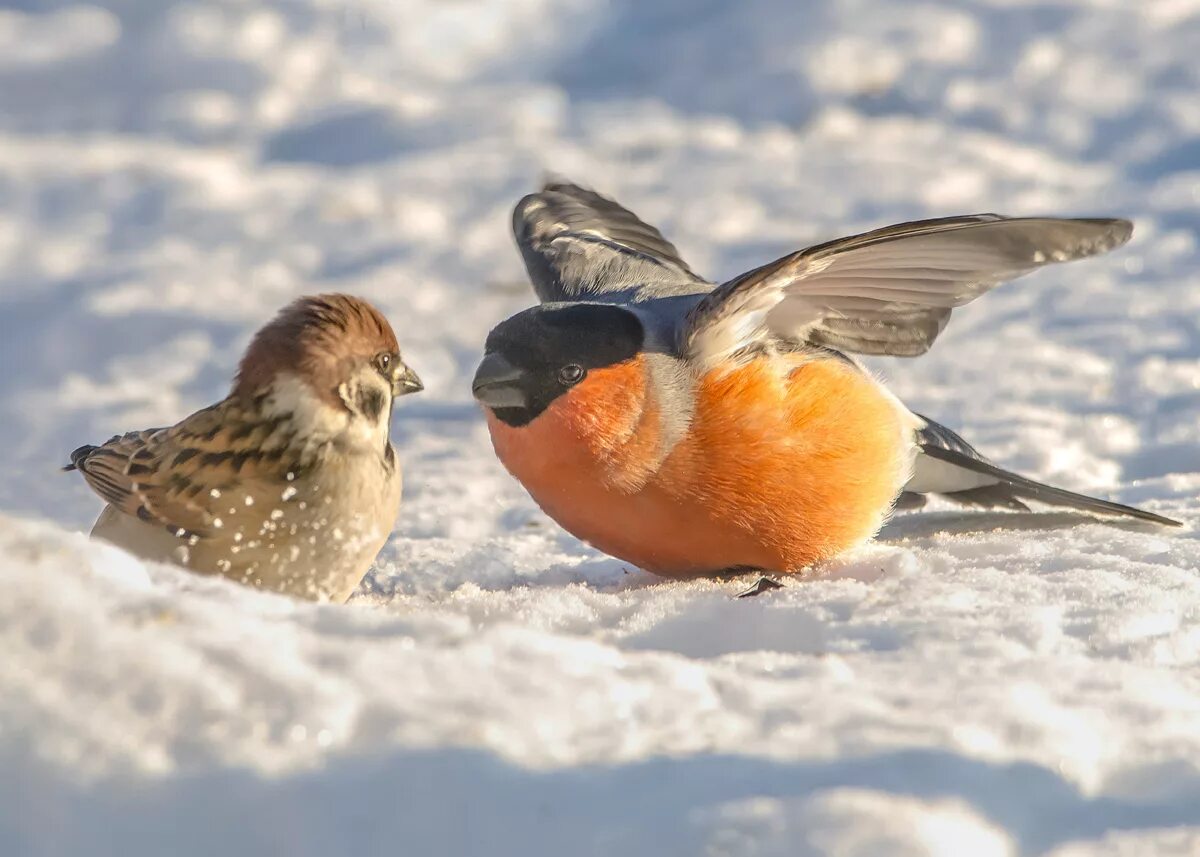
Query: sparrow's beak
x=497 y=383
x=406 y=381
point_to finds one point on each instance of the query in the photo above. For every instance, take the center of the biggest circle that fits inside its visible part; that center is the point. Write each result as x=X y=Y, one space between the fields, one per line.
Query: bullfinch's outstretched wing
x=889 y=291
x=578 y=245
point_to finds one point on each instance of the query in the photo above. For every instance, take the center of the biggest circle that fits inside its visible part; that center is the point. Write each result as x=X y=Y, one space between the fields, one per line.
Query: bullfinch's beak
x=497 y=383
x=406 y=381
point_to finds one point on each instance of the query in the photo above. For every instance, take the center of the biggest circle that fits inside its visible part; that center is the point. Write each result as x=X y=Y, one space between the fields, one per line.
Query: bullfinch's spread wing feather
x=173 y=476
x=889 y=291
x=579 y=245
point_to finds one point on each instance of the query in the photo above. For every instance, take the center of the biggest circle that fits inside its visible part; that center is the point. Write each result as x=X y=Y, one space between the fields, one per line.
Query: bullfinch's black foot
x=763 y=584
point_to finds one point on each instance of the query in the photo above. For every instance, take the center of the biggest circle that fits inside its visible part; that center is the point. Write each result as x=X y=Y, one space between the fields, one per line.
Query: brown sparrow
x=290 y=483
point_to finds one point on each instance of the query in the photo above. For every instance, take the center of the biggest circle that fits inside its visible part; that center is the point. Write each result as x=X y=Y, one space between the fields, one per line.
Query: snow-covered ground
x=172 y=172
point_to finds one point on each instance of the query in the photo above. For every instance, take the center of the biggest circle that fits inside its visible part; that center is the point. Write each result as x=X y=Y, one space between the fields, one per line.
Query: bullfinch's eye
x=570 y=374
x=383 y=362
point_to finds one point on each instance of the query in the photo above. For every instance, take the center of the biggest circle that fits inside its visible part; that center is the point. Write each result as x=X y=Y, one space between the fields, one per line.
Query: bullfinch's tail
x=950 y=467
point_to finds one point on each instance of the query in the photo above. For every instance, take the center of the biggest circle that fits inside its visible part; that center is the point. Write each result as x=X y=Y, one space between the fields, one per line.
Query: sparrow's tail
x=949 y=466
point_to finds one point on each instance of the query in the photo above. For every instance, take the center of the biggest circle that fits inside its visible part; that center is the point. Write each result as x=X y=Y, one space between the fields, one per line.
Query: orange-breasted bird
x=692 y=428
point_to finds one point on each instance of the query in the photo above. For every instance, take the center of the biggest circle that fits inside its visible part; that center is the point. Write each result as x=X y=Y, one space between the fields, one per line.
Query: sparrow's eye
x=570 y=374
x=383 y=362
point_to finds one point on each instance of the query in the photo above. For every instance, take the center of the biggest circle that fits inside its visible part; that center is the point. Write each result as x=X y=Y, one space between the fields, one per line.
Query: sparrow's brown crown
x=319 y=339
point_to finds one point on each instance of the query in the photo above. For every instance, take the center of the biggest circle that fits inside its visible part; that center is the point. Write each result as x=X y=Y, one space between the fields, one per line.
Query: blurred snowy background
x=173 y=172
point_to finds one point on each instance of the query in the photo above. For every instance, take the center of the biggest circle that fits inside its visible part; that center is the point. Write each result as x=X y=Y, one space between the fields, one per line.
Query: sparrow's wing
x=578 y=245
x=176 y=476
x=889 y=291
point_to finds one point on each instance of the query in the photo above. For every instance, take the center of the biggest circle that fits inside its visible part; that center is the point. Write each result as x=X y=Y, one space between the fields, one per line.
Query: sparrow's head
x=552 y=352
x=340 y=348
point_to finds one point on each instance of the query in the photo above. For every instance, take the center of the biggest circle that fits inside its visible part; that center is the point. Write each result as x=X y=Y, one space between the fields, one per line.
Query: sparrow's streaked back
x=290 y=483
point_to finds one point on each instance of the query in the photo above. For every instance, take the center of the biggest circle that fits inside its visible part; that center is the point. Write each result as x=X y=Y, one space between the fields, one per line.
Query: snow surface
x=992 y=684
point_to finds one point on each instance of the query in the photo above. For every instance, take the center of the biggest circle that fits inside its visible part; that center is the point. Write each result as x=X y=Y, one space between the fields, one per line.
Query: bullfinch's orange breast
x=783 y=465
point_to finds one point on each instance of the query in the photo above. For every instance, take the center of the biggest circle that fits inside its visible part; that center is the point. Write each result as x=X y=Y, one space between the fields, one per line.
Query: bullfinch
x=696 y=429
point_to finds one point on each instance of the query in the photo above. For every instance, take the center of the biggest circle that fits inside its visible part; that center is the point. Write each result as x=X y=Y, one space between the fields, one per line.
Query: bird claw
x=763 y=584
